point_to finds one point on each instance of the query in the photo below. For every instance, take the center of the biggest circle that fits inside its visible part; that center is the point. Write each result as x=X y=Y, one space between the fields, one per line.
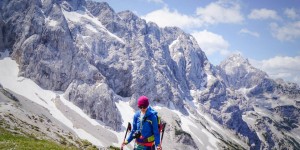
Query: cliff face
x=48 y=51
x=93 y=53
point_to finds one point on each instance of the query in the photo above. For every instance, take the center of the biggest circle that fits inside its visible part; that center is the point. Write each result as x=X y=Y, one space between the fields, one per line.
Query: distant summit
x=237 y=72
x=235 y=60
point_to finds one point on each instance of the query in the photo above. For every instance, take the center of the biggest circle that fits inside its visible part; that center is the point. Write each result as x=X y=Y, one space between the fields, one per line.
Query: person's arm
x=155 y=131
x=134 y=127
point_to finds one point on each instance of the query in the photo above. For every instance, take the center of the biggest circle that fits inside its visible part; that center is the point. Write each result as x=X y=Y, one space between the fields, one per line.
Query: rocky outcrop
x=232 y=118
x=97 y=101
x=290 y=116
x=43 y=52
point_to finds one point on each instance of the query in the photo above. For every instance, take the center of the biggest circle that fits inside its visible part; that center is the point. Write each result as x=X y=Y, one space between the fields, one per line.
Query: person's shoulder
x=137 y=114
x=152 y=112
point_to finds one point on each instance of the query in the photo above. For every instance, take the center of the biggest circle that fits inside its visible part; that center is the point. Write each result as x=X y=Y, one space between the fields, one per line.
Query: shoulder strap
x=145 y=118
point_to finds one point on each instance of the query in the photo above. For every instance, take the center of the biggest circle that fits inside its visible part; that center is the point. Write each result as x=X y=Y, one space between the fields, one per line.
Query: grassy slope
x=11 y=140
x=12 y=137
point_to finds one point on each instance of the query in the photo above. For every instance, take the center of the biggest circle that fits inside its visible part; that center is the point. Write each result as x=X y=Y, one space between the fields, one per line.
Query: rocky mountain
x=237 y=72
x=264 y=102
x=98 y=58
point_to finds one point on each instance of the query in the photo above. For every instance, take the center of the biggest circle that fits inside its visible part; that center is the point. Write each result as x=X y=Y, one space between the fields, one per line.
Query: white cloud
x=291 y=13
x=157 y=1
x=164 y=17
x=263 y=14
x=246 y=31
x=286 y=68
x=288 y=32
x=211 y=43
x=214 y=13
x=221 y=12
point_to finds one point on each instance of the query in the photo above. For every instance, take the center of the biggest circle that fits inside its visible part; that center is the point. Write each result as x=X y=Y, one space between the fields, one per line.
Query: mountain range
x=101 y=61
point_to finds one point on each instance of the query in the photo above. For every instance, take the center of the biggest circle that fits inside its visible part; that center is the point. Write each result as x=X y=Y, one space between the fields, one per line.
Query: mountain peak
x=73 y=5
x=96 y=7
x=128 y=15
x=235 y=60
x=237 y=67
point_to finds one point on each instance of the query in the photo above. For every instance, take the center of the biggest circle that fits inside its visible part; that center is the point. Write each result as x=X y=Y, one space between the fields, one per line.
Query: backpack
x=160 y=124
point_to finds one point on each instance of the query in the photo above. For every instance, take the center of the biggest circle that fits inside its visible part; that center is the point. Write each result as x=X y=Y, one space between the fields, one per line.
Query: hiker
x=145 y=128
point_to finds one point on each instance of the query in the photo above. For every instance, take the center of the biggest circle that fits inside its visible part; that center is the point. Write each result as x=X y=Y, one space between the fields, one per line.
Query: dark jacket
x=148 y=126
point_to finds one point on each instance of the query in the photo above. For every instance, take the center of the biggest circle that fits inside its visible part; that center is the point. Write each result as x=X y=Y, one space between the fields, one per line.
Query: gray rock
x=97 y=55
x=2 y=44
x=97 y=101
x=237 y=72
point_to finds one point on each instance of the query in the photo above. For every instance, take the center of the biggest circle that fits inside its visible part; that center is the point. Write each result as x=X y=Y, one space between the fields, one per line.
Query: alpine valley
x=71 y=72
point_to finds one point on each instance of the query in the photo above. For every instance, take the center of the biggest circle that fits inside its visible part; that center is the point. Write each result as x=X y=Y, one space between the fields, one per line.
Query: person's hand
x=123 y=144
x=159 y=147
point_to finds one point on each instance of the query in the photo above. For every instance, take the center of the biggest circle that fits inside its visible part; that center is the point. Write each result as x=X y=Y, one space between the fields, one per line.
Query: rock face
x=1 y=34
x=164 y=63
x=237 y=72
x=94 y=55
x=44 y=45
x=72 y=45
x=272 y=104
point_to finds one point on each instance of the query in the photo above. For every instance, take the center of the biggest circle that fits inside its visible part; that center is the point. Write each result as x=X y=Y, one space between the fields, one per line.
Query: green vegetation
x=12 y=140
x=113 y=148
x=13 y=135
x=85 y=144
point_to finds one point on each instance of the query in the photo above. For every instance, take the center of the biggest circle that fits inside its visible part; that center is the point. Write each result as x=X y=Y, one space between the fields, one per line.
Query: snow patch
x=27 y=88
x=95 y=25
x=211 y=80
x=127 y=114
x=173 y=43
x=126 y=111
x=188 y=124
x=77 y=110
x=51 y=22
x=90 y=27
x=176 y=54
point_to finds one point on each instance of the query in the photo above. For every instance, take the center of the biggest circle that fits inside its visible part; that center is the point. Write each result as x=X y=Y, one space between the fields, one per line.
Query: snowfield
x=93 y=23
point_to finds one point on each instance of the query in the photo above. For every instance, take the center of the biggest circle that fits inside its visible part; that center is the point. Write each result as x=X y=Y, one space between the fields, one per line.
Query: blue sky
x=267 y=32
